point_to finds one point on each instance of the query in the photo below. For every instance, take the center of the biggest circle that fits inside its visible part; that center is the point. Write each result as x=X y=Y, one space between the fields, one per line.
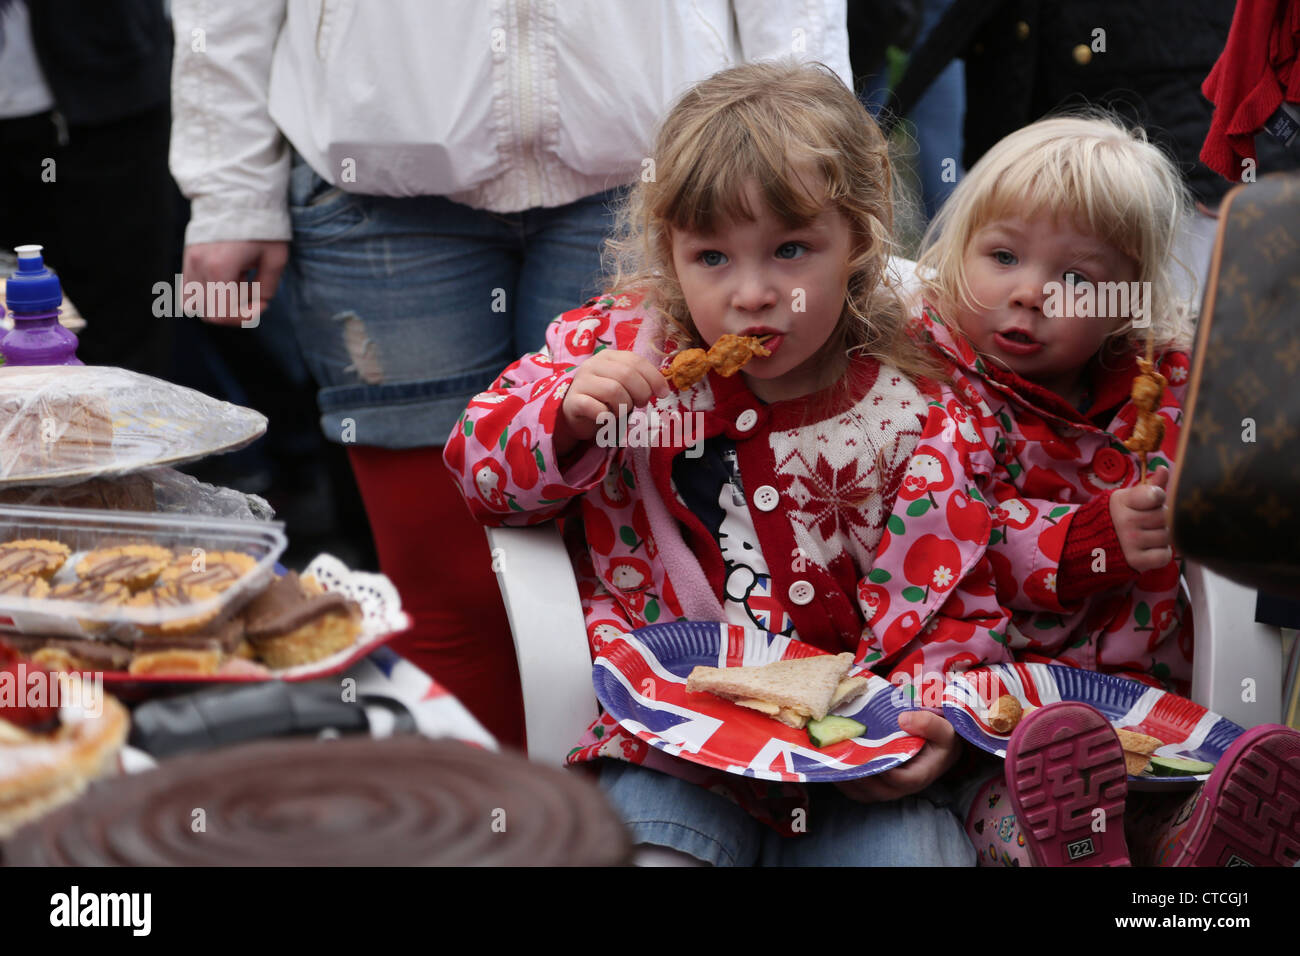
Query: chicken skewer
x=727 y=355
x=1149 y=429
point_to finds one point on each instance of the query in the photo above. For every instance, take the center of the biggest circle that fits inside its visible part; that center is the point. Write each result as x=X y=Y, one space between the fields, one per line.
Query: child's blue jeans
x=922 y=830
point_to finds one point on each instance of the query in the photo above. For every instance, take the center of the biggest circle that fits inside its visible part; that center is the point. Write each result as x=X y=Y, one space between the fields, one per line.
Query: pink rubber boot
x=1248 y=813
x=1064 y=763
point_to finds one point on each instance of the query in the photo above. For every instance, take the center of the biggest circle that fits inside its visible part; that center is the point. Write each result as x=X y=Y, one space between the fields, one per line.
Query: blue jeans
x=405 y=308
x=922 y=830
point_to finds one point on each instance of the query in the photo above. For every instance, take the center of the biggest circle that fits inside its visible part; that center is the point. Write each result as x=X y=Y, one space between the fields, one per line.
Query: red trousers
x=436 y=554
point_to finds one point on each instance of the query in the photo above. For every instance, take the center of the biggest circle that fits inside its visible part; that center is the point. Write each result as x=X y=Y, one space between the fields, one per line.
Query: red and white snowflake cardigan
x=836 y=461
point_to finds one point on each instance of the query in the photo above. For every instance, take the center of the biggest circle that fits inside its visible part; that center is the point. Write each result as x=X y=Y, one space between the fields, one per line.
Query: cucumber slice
x=833 y=730
x=1178 y=767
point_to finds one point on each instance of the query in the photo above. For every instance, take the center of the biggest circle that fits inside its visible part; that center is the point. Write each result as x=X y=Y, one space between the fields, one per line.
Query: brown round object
x=401 y=801
x=21 y=585
x=221 y=570
x=36 y=557
x=135 y=565
x=92 y=591
x=167 y=596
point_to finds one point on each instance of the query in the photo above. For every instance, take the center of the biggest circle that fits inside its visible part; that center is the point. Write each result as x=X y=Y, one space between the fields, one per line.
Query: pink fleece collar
x=690 y=583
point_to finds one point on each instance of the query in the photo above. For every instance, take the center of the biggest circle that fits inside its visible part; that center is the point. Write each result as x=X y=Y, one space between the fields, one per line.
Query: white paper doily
x=381 y=605
x=381 y=612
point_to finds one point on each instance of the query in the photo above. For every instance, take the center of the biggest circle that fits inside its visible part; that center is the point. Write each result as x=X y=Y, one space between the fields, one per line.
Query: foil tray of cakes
x=163 y=598
x=65 y=424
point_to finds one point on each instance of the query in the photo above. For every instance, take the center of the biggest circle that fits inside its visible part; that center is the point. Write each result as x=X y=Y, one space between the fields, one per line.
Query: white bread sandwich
x=1138 y=749
x=792 y=691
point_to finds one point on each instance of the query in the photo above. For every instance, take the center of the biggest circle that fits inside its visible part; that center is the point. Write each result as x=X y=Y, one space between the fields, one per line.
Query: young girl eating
x=1047 y=278
x=764 y=212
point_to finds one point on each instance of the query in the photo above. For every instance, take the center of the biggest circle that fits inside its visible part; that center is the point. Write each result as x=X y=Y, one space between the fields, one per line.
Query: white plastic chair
x=541 y=598
x=1237 y=667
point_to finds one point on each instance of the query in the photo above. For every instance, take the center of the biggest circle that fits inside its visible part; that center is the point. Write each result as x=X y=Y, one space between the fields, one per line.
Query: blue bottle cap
x=33 y=288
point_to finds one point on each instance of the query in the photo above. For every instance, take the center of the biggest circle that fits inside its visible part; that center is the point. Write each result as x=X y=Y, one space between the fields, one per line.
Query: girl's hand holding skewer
x=1138 y=514
x=609 y=381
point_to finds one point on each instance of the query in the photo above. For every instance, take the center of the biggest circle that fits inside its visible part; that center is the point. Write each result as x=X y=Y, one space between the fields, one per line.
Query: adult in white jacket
x=432 y=179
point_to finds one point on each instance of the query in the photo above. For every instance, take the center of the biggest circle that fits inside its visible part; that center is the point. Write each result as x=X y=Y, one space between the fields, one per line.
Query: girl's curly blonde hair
x=1084 y=168
x=768 y=122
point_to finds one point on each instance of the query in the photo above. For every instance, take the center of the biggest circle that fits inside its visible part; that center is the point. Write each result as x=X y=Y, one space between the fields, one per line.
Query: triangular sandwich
x=790 y=691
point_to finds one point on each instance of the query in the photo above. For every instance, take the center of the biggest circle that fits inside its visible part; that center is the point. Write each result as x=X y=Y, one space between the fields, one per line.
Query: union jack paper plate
x=640 y=678
x=1188 y=730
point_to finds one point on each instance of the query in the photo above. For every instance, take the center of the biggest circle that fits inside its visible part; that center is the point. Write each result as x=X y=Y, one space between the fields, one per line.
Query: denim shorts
x=921 y=830
x=405 y=308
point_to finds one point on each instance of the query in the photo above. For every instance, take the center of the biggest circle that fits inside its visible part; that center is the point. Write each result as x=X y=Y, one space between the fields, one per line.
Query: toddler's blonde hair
x=1087 y=169
x=769 y=122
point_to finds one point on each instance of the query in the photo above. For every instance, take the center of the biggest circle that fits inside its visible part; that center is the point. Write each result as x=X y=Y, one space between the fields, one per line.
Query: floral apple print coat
x=1036 y=462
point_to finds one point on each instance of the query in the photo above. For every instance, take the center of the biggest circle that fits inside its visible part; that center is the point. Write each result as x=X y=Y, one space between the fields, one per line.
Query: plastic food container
x=84 y=531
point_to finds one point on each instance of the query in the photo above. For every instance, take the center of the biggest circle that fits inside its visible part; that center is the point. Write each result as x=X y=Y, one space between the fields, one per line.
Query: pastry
x=176 y=661
x=1005 y=714
x=69 y=655
x=135 y=565
x=48 y=753
x=21 y=585
x=401 y=801
x=34 y=557
x=166 y=596
x=219 y=570
x=226 y=637
x=288 y=625
x=201 y=652
x=93 y=591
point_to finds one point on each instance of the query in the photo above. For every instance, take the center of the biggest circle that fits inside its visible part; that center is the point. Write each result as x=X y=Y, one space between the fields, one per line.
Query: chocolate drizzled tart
x=135 y=565
x=217 y=570
x=21 y=585
x=172 y=596
x=93 y=591
x=33 y=557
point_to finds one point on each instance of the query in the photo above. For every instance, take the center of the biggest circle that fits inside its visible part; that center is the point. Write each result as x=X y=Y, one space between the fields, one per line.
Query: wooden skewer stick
x=1151 y=348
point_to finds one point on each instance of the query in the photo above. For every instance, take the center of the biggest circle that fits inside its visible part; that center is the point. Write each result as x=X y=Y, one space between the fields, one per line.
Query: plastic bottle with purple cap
x=34 y=295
